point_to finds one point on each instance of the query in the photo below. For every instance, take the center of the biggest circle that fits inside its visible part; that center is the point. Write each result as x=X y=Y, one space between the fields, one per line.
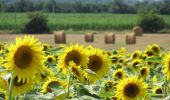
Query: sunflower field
x=31 y=70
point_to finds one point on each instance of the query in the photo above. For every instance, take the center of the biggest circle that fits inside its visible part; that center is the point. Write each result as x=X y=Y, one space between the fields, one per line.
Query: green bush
x=150 y=22
x=37 y=23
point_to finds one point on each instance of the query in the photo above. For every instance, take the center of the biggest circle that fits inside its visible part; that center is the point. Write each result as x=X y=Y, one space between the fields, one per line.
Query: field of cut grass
x=76 y=21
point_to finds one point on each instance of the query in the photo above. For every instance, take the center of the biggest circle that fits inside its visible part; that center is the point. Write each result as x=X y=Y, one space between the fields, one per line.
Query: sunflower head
x=119 y=74
x=157 y=90
x=45 y=46
x=149 y=53
x=136 y=55
x=109 y=86
x=25 y=57
x=51 y=58
x=73 y=53
x=155 y=49
x=53 y=83
x=131 y=89
x=144 y=72
x=98 y=63
x=136 y=64
x=114 y=59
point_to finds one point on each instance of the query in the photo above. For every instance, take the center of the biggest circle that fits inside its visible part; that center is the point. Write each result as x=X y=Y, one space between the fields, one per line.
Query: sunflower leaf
x=154 y=59
x=90 y=71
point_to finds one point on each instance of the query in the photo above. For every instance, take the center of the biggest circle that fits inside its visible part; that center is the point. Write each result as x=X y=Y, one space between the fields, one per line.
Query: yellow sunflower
x=136 y=64
x=77 y=72
x=114 y=59
x=20 y=87
x=131 y=89
x=136 y=55
x=73 y=53
x=144 y=72
x=25 y=58
x=109 y=85
x=148 y=53
x=45 y=46
x=155 y=49
x=166 y=66
x=98 y=63
x=45 y=75
x=119 y=74
x=51 y=58
x=157 y=90
x=51 y=83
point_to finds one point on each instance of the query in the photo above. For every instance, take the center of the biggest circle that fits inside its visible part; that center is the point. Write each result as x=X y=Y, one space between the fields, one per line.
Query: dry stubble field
x=162 y=39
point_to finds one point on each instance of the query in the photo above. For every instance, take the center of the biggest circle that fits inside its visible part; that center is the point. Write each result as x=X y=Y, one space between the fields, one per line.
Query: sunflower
x=136 y=55
x=98 y=63
x=20 y=87
x=155 y=49
x=122 y=51
x=144 y=72
x=109 y=85
x=119 y=74
x=51 y=58
x=136 y=64
x=25 y=58
x=166 y=66
x=77 y=72
x=45 y=75
x=73 y=53
x=157 y=90
x=45 y=46
x=53 y=83
x=114 y=59
x=148 y=53
x=131 y=88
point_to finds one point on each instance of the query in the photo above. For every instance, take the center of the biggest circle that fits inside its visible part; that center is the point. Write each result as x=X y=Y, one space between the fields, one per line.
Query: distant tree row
x=116 y=6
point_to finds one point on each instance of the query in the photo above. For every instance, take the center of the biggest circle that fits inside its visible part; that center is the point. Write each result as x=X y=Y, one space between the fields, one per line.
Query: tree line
x=116 y=6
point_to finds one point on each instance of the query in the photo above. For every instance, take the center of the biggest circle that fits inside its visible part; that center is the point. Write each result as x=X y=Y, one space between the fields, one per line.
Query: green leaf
x=154 y=59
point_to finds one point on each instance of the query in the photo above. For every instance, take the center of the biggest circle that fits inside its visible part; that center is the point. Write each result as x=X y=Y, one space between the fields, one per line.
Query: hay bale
x=131 y=38
x=109 y=38
x=89 y=37
x=138 y=30
x=59 y=37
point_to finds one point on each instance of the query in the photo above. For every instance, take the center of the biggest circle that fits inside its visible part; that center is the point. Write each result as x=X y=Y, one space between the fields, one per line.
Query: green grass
x=76 y=21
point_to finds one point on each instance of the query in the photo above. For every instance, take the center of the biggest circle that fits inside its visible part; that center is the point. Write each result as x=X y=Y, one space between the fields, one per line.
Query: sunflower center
x=149 y=53
x=158 y=91
x=74 y=56
x=50 y=59
x=114 y=60
x=135 y=55
x=143 y=71
x=131 y=90
x=155 y=49
x=119 y=75
x=135 y=65
x=16 y=83
x=45 y=48
x=75 y=71
x=23 y=57
x=95 y=63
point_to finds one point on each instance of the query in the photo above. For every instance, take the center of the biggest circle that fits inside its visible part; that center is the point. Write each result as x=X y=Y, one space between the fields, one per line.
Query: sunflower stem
x=68 y=77
x=10 y=87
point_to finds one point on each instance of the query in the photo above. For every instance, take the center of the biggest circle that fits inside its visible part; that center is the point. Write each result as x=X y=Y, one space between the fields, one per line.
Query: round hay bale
x=138 y=30
x=60 y=37
x=109 y=38
x=89 y=37
x=131 y=38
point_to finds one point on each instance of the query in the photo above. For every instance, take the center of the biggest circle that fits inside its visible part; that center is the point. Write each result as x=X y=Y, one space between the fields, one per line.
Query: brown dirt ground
x=162 y=39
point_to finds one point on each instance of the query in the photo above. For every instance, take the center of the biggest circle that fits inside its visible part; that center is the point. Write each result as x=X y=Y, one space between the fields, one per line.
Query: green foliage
x=150 y=21
x=37 y=23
